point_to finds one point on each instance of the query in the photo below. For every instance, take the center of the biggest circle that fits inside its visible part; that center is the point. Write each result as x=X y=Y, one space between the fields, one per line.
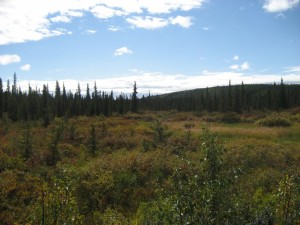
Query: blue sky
x=164 y=45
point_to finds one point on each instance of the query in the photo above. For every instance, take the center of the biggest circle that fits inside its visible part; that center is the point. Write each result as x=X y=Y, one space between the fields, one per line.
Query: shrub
x=274 y=122
x=189 y=125
x=230 y=117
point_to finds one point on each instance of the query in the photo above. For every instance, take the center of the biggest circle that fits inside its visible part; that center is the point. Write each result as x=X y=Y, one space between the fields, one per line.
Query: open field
x=151 y=168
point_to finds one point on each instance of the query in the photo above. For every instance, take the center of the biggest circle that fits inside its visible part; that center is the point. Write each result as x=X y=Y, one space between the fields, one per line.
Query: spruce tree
x=88 y=108
x=45 y=106
x=13 y=101
x=58 y=102
x=134 y=99
x=96 y=109
x=229 y=96
x=282 y=97
x=64 y=100
x=243 y=97
x=1 y=98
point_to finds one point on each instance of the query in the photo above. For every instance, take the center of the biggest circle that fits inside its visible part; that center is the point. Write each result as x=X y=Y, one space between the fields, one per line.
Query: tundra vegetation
x=218 y=165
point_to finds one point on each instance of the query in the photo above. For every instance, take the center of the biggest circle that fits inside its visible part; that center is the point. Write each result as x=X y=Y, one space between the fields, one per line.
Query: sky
x=163 y=45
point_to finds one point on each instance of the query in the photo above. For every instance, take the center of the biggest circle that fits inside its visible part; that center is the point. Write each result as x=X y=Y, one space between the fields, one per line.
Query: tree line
x=36 y=104
x=231 y=98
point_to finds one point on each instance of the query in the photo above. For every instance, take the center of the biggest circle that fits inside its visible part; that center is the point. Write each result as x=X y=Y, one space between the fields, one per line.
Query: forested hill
x=34 y=104
x=237 y=98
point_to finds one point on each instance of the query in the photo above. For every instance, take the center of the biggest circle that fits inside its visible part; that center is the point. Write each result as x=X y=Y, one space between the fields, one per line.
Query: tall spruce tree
x=134 y=106
x=64 y=100
x=58 y=102
x=87 y=106
x=13 y=101
x=1 y=98
x=45 y=106
x=78 y=101
x=243 y=103
x=282 y=97
x=229 y=102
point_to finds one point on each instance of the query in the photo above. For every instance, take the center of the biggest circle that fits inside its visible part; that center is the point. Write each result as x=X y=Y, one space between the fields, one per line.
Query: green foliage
x=26 y=143
x=274 y=121
x=92 y=143
x=54 y=154
x=288 y=201
x=230 y=117
x=109 y=217
x=200 y=194
x=160 y=132
x=56 y=203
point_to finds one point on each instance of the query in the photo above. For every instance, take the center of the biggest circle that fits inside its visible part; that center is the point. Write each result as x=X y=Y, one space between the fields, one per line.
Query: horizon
x=165 y=47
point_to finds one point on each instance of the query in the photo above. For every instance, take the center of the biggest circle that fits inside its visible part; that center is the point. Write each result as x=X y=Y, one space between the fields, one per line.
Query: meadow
x=152 y=168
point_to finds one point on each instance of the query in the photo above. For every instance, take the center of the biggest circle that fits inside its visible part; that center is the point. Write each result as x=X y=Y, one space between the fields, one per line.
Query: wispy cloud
x=62 y=19
x=236 y=57
x=8 y=59
x=148 y=22
x=274 y=6
x=206 y=28
x=151 y=23
x=114 y=28
x=234 y=67
x=25 y=67
x=243 y=66
x=91 y=31
x=295 y=69
x=122 y=51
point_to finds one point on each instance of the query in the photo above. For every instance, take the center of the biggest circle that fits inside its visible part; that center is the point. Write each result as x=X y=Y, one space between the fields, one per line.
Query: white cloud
x=8 y=59
x=205 y=28
x=74 y=14
x=236 y=57
x=122 y=51
x=62 y=19
x=33 y=20
x=294 y=69
x=159 y=83
x=167 y=6
x=25 y=67
x=279 y=5
x=103 y=12
x=245 y=66
x=183 y=21
x=148 y=22
x=91 y=31
x=114 y=29
x=151 y=23
x=234 y=67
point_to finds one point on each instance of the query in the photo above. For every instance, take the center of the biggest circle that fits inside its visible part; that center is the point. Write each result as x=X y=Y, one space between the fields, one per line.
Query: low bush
x=274 y=121
x=230 y=117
